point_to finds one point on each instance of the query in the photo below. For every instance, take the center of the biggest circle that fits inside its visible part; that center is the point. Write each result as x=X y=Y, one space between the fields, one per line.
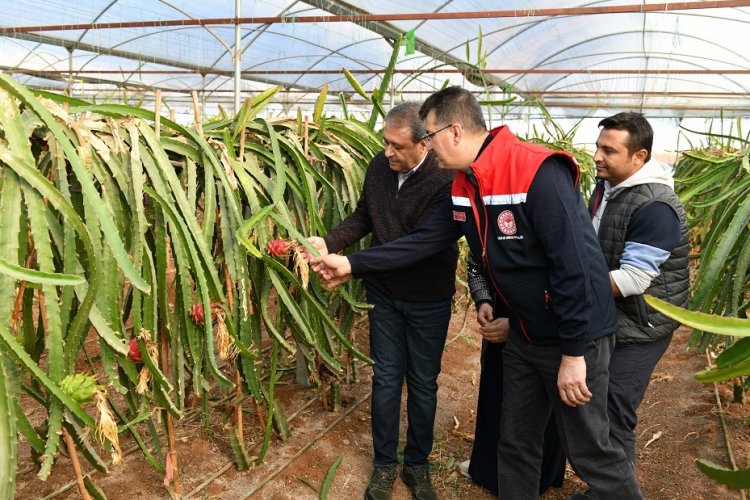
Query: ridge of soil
x=679 y=422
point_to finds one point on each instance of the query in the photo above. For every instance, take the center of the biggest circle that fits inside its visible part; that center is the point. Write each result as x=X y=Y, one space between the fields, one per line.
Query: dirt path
x=678 y=422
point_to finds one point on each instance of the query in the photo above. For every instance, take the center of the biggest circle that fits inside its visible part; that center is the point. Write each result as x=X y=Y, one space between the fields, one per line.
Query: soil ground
x=679 y=422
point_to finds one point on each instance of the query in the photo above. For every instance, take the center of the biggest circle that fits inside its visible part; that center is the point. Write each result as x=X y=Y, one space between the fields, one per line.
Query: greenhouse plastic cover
x=578 y=63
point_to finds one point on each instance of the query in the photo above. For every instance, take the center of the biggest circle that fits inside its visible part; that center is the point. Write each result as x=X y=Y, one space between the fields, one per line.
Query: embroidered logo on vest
x=506 y=223
x=459 y=216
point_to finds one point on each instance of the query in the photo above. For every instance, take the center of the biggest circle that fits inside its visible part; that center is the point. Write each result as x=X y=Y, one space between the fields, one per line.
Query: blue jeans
x=406 y=341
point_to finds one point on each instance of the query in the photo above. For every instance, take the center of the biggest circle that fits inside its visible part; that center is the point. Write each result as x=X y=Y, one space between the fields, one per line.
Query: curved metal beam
x=367 y=17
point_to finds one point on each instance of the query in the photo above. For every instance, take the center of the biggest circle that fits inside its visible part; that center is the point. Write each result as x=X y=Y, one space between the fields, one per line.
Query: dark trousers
x=630 y=371
x=530 y=394
x=483 y=466
x=406 y=341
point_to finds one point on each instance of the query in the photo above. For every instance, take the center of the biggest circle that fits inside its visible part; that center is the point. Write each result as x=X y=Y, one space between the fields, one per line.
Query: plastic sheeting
x=666 y=64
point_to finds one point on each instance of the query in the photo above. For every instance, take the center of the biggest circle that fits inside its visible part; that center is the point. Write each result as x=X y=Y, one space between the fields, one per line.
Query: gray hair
x=406 y=115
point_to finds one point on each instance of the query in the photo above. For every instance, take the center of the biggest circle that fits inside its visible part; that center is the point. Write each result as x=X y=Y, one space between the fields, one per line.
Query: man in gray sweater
x=412 y=306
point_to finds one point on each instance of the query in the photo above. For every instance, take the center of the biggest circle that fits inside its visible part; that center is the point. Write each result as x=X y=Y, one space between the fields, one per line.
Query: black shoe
x=418 y=481
x=584 y=495
x=381 y=483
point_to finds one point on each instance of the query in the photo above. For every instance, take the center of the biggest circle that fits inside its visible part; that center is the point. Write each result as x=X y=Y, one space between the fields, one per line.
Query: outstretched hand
x=332 y=269
x=318 y=243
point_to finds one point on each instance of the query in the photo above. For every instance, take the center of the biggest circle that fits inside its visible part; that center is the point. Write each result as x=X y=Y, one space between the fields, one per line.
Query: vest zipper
x=486 y=259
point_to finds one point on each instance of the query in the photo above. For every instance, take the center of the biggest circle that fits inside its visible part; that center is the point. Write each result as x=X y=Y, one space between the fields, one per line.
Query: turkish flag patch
x=459 y=216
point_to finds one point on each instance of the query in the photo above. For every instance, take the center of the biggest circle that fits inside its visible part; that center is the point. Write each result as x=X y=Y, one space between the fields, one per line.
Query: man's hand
x=492 y=330
x=485 y=314
x=571 y=381
x=319 y=244
x=332 y=269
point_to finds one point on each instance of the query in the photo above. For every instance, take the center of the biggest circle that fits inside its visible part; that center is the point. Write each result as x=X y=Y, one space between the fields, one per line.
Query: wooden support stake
x=76 y=465
x=164 y=354
x=197 y=112
x=228 y=286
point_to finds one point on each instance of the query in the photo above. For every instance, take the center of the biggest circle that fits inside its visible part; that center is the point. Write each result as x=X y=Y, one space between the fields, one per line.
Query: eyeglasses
x=428 y=137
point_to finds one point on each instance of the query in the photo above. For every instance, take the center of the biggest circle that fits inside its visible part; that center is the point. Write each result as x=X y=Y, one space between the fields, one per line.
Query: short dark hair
x=406 y=115
x=639 y=129
x=455 y=105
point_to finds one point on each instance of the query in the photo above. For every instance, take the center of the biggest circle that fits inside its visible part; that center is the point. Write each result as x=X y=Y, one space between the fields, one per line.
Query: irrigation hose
x=307 y=446
x=210 y=479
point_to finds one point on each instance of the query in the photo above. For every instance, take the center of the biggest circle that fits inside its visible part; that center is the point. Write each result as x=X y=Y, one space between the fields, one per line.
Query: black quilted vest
x=638 y=323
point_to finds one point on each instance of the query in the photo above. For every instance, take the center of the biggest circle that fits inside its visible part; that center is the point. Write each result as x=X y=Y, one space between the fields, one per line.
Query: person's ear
x=641 y=156
x=458 y=131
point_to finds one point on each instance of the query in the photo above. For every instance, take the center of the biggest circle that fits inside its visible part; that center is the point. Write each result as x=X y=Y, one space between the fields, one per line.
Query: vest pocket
x=642 y=310
x=532 y=303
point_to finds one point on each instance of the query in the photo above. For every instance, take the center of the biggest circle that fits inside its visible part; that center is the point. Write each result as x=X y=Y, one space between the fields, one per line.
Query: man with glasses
x=519 y=206
x=411 y=307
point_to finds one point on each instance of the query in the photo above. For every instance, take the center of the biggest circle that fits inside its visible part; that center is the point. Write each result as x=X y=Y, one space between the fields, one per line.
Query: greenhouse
x=173 y=175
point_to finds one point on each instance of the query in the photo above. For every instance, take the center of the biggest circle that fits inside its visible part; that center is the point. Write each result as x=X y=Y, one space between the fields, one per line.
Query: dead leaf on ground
x=463 y=435
x=656 y=436
x=661 y=377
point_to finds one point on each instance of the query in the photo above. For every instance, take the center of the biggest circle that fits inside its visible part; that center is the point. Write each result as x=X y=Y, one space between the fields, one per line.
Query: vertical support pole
x=203 y=92
x=237 y=54
x=70 y=71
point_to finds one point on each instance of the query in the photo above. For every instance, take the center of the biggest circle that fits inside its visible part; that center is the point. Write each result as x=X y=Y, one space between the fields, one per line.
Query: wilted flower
x=134 y=352
x=278 y=247
x=301 y=265
x=224 y=343
x=145 y=375
x=106 y=429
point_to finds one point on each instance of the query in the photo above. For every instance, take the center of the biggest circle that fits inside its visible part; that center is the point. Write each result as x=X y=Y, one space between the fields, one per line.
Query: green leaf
x=718 y=374
x=33 y=276
x=736 y=353
x=354 y=83
x=93 y=490
x=87 y=185
x=241 y=458
x=737 y=479
x=329 y=477
x=707 y=322
x=8 y=439
x=320 y=103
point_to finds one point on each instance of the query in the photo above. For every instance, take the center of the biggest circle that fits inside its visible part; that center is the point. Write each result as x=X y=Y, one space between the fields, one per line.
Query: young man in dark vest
x=643 y=232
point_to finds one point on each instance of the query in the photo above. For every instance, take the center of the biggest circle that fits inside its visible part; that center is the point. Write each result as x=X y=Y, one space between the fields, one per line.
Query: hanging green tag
x=411 y=41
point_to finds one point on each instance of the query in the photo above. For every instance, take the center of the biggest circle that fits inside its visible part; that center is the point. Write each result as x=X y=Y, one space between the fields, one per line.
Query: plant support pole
x=76 y=465
x=237 y=54
x=174 y=476
x=724 y=429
